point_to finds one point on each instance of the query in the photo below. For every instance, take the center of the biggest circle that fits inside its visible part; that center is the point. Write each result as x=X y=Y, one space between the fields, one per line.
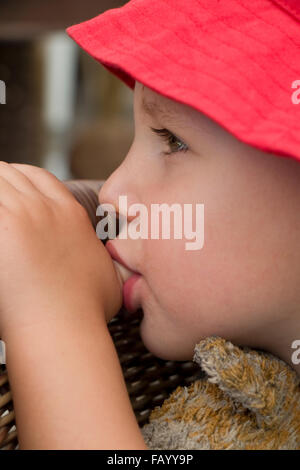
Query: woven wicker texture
x=149 y=379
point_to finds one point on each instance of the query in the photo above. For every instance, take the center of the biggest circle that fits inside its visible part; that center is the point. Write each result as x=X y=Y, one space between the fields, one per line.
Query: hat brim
x=237 y=66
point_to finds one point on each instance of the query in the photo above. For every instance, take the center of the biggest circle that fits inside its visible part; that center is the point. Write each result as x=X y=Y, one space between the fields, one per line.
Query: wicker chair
x=149 y=379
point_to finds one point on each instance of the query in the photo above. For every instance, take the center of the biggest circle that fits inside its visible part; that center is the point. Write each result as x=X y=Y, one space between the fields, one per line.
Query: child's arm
x=67 y=385
x=58 y=290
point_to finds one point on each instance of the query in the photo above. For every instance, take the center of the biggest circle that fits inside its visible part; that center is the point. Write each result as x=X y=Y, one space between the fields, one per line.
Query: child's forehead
x=155 y=105
x=171 y=112
x=148 y=97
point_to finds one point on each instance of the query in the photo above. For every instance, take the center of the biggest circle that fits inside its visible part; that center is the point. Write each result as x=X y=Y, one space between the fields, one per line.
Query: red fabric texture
x=291 y=6
x=233 y=60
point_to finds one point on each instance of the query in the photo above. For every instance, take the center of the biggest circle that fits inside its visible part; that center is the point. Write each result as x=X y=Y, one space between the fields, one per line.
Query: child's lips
x=131 y=302
x=123 y=273
x=127 y=279
x=115 y=256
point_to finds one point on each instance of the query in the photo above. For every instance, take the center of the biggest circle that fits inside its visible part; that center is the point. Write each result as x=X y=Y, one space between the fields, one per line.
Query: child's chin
x=157 y=343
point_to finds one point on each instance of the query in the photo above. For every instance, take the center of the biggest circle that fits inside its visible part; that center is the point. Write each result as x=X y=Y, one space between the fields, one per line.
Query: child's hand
x=51 y=259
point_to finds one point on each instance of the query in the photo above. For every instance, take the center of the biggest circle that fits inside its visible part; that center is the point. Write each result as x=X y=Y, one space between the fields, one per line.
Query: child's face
x=243 y=284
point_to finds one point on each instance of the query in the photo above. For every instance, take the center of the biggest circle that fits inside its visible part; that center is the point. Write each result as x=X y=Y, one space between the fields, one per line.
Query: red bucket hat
x=236 y=61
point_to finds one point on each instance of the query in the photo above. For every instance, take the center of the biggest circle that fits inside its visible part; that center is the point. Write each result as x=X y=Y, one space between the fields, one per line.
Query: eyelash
x=169 y=137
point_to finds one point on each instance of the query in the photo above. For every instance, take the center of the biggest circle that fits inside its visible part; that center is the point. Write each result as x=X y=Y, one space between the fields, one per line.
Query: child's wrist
x=40 y=318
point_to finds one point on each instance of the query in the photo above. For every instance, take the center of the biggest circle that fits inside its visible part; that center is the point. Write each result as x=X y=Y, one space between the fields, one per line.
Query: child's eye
x=175 y=144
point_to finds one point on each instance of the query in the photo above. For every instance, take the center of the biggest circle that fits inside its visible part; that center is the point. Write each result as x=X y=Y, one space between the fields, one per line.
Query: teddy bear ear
x=255 y=379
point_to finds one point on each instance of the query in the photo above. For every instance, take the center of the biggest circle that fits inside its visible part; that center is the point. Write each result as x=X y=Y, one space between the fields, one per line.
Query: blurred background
x=63 y=110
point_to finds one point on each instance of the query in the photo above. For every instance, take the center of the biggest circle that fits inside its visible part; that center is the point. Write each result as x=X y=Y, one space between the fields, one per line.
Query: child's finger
x=44 y=181
x=16 y=178
x=8 y=193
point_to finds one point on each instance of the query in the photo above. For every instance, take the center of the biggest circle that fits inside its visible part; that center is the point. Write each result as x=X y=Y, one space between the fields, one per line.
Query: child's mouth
x=131 y=303
x=127 y=279
x=123 y=273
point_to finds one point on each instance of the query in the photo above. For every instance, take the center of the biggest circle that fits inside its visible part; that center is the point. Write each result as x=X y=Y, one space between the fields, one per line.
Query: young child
x=217 y=123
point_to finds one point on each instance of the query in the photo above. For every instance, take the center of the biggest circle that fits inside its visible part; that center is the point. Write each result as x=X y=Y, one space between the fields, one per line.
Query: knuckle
x=46 y=172
x=32 y=169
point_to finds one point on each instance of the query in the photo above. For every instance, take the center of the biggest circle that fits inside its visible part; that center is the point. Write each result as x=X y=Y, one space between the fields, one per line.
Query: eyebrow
x=154 y=109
